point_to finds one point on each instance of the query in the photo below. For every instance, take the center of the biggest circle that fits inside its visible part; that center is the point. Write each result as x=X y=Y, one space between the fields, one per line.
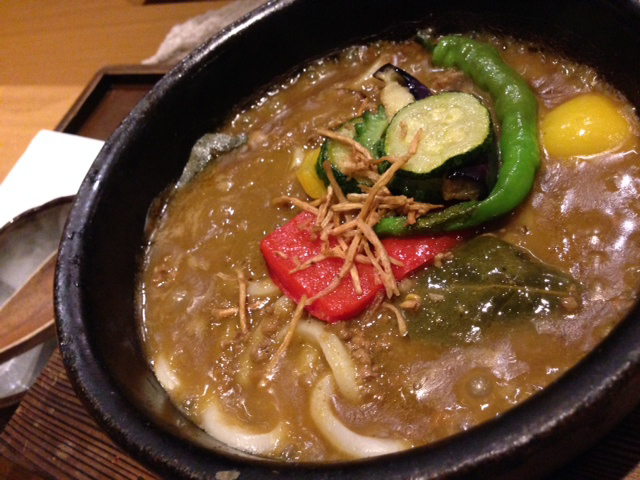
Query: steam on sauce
x=474 y=348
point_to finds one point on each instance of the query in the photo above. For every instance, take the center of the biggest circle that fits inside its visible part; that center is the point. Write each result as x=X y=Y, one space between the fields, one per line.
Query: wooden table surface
x=50 y=50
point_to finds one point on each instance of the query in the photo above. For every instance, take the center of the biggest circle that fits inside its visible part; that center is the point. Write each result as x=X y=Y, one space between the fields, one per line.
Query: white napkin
x=52 y=166
x=184 y=37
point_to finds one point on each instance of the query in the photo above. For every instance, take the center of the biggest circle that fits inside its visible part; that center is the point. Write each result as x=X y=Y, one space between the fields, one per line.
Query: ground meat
x=271 y=325
x=262 y=352
x=164 y=272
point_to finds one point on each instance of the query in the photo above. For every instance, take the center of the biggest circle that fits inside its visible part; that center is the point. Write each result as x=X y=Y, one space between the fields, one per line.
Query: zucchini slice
x=456 y=131
x=370 y=130
x=366 y=130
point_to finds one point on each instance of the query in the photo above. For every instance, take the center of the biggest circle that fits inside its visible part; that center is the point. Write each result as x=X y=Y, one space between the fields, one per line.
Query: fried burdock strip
x=349 y=219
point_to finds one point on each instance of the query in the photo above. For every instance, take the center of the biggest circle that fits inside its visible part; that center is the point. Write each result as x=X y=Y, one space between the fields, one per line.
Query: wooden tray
x=108 y=99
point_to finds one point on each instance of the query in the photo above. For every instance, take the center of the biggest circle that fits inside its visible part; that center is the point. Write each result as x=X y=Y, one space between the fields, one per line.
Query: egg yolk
x=585 y=125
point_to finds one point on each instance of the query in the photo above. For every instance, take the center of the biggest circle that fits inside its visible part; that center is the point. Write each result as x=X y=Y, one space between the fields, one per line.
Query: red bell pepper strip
x=294 y=242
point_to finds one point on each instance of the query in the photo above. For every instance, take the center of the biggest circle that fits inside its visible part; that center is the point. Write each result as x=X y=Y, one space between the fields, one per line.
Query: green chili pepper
x=517 y=112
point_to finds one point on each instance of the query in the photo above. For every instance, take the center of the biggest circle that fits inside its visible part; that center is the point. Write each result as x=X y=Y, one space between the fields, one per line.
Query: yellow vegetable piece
x=308 y=177
x=588 y=124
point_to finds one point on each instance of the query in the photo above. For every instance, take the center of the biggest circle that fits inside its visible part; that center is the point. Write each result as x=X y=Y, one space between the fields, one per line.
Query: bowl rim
x=568 y=407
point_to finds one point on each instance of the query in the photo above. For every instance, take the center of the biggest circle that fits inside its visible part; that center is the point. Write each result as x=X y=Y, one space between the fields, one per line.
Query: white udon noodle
x=216 y=423
x=261 y=288
x=165 y=375
x=341 y=437
x=337 y=356
x=223 y=428
x=344 y=374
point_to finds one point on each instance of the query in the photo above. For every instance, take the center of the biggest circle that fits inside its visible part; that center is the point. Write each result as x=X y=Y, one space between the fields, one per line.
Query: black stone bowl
x=102 y=245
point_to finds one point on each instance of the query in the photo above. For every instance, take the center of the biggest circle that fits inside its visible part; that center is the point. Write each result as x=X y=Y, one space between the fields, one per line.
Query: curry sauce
x=212 y=319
